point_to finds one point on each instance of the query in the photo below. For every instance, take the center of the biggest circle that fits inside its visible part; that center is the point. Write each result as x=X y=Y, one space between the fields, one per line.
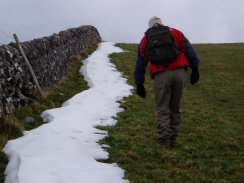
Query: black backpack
x=161 y=47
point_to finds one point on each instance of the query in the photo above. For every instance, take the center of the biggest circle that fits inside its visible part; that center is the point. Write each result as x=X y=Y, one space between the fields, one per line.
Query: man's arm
x=191 y=56
x=190 y=53
x=139 y=72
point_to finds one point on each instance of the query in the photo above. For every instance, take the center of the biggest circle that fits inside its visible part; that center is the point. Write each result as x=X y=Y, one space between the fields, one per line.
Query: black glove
x=194 y=75
x=140 y=90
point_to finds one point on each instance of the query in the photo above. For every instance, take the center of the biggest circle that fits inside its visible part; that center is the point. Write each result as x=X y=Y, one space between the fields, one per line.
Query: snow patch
x=66 y=148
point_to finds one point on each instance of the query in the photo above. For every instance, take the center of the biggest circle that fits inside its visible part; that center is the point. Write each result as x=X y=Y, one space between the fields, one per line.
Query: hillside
x=210 y=146
x=71 y=84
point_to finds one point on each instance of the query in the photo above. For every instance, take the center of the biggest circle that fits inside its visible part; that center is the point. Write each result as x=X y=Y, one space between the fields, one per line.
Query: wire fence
x=6 y=36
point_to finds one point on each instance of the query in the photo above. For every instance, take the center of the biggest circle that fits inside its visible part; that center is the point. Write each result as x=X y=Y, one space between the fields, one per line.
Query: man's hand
x=140 y=90
x=194 y=75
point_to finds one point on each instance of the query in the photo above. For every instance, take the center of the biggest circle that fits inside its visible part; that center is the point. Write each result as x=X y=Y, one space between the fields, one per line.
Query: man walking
x=169 y=53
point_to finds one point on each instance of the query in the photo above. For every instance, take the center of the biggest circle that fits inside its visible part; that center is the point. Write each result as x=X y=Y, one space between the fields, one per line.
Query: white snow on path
x=65 y=149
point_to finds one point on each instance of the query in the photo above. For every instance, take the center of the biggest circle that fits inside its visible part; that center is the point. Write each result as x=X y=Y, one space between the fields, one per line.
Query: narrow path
x=65 y=149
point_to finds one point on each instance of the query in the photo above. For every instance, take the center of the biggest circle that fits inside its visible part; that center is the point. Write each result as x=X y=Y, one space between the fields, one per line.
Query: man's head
x=154 y=20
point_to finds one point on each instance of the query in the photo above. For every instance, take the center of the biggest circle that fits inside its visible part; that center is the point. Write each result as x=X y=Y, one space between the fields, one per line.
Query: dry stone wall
x=48 y=57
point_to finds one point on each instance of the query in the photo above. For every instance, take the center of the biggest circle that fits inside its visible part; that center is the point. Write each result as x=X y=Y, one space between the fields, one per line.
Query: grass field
x=210 y=145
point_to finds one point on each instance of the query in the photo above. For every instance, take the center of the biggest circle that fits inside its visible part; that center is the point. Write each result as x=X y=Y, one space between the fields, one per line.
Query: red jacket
x=179 y=63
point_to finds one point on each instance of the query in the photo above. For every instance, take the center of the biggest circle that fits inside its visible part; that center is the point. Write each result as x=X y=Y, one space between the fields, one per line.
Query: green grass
x=210 y=145
x=71 y=84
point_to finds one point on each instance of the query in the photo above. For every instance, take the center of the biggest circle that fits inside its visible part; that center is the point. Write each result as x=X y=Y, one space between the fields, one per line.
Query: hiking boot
x=165 y=143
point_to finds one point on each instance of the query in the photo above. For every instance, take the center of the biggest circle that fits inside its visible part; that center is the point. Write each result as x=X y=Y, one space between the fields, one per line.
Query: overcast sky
x=202 y=21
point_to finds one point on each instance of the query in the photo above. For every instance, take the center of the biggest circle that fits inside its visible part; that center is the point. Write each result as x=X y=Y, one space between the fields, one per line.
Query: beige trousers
x=168 y=88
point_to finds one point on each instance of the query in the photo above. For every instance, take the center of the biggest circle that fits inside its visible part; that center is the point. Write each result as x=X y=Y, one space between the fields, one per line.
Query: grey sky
x=207 y=21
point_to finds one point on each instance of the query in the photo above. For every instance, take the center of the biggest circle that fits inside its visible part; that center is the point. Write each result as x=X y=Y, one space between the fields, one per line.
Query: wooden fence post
x=28 y=64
